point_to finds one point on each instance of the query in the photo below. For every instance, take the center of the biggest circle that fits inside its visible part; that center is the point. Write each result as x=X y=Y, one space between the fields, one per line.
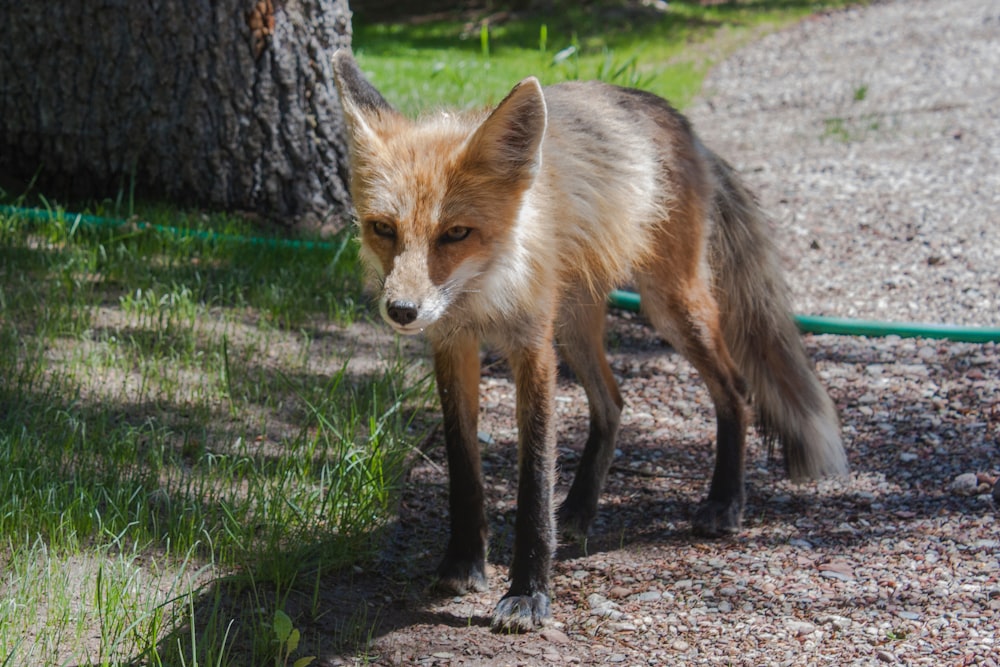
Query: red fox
x=510 y=227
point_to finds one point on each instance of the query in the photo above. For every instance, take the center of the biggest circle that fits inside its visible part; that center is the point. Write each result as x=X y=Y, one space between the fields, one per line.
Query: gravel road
x=873 y=138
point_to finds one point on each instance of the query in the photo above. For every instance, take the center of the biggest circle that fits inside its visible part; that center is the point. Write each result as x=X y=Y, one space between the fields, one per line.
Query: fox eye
x=384 y=229
x=456 y=233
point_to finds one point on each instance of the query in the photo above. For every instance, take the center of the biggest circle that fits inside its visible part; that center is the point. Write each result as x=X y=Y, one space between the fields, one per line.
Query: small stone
x=800 y=628
x=595 y=600
x=623 y=626
x=618 y=592
x=839 y=622
x=965 y=484
x=986 y=479
x=554 y=635
x=927 y=353
x=603 y=607
x=909 y=615
x=908 y=457
x=885 y=656
x=837 y=570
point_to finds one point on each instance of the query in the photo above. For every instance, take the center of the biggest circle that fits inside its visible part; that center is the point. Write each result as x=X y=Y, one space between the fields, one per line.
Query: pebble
x=595 y=600
x=837 y=570
x=800 y=628
x=966 y=484
x=601 y=606
x=622 y=626
x=885 y=656
x=838 y=622
x=618 y=592
x=554 y=635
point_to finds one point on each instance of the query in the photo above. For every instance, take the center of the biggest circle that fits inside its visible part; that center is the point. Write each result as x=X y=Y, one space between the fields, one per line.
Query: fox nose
x=402 y=312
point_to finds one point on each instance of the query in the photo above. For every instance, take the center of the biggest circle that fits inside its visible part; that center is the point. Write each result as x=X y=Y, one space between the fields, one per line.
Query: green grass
x=167 y=418
x=462 y=63
x=184 y=440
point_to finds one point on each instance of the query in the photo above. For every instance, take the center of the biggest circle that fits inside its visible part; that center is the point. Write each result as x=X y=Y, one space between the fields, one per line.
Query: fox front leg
x=526 y=604
x=456 y=365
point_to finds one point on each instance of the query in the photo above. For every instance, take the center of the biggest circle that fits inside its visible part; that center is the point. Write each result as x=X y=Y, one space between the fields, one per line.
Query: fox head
x=438 y=199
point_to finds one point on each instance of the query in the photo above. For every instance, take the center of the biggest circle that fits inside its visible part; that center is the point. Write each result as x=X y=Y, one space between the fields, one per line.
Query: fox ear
x=508 y=142
x=358 y=97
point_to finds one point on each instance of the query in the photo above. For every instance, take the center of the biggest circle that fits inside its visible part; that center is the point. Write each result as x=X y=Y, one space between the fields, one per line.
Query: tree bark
x=222 y=103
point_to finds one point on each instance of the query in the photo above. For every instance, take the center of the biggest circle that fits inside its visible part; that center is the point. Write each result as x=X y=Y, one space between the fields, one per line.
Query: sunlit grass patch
x=473 y=60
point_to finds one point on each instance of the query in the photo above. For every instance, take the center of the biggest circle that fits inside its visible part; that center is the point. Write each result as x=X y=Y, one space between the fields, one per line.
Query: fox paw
x=459 y=576
x=574 y=523
x=715 y=518
x=521 y=613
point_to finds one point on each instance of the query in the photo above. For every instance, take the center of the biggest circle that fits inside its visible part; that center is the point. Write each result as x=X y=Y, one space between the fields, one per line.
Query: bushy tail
x=792 y=407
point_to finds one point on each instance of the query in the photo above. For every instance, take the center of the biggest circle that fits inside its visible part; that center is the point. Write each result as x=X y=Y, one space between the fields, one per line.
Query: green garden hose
x=45 y=215
x=818 y=324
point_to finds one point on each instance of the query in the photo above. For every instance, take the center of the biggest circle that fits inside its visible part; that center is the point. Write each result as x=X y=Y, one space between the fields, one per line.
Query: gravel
x=873 y=138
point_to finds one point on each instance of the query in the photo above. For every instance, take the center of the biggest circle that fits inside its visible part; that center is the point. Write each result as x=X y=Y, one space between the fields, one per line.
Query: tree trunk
x=221 y=103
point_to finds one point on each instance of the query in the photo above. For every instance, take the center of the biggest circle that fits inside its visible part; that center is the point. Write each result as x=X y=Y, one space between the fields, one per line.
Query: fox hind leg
x=687 y=315
x=580 y=337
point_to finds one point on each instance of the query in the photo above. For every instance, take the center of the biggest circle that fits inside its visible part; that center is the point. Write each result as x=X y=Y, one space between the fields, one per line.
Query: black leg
x=690 y=321
x=526 y=604
x=463 y=567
